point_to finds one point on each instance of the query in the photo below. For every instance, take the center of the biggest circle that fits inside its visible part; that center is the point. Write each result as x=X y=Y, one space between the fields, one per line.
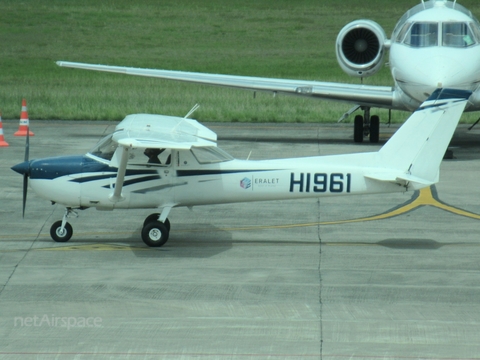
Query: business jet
x=436 y=44
x=162 y=162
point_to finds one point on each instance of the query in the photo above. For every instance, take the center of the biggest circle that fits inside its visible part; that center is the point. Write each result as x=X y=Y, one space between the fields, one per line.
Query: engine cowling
x=361 y=47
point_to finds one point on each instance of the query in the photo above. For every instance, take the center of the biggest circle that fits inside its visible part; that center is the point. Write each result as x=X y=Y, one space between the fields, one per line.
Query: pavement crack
x=25 y=254
x=320 y=281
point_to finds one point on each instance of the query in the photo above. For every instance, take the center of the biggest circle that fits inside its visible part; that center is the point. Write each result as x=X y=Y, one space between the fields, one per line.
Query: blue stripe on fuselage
x=55 y=167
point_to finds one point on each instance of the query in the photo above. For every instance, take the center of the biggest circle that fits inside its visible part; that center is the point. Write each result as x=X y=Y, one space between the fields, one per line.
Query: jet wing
x=365 y=95
x=160 y=131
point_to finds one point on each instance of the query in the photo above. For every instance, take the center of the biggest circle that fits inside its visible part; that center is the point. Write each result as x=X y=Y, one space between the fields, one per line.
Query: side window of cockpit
x=457 y=35
x=422 y=35
x=158 y=156
x=402 y=32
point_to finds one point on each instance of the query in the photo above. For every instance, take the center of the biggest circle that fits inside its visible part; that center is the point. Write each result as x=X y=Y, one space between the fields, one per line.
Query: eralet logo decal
x=245 y=183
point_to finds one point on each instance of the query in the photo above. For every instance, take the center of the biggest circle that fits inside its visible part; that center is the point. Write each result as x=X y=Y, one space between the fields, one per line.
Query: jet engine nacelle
x=361 y=47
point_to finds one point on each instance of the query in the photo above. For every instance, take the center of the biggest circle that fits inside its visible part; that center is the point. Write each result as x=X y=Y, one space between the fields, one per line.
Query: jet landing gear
x=366 y=125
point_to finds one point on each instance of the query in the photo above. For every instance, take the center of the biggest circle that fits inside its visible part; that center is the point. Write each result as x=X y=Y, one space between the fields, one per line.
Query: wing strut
x=119 y=160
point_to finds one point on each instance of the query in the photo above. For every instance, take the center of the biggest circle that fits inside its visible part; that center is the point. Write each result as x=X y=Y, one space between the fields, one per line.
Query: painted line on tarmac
x=425 y=197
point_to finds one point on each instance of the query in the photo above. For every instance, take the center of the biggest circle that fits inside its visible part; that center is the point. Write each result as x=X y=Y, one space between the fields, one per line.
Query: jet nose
x=22 y=168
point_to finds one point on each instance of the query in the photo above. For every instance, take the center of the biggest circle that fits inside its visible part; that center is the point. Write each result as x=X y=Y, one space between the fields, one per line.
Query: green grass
x=281 y=38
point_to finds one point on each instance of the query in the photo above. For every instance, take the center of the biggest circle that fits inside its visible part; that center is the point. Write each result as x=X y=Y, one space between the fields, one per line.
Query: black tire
x=358 y=129
x=150 y=218
x=374 y=129
x=154 y=217
x=155 y=234
x=58 y=235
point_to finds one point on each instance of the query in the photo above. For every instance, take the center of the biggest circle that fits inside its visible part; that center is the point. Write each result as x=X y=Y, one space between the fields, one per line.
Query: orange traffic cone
x=3 y=143
x=24 y=122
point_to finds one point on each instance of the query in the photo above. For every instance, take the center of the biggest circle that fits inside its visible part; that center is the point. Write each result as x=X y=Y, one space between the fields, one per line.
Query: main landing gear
x=155 y=231
x=366 y=125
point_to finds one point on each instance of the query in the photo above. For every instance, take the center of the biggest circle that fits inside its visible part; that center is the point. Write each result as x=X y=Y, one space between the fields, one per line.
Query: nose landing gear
x=61 y=231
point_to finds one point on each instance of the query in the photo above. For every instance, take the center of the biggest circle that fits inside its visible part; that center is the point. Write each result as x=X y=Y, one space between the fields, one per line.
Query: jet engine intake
x=361 y=47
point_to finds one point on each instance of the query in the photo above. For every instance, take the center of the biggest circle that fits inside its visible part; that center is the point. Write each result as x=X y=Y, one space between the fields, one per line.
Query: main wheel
x=358 y=129
x=374 y=129
x=154 y=217
x=155 y=234
x=61 y=235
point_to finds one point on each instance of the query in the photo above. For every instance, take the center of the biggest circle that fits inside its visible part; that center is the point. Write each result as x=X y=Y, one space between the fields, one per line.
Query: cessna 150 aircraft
x=161 y=162
x=436 y=44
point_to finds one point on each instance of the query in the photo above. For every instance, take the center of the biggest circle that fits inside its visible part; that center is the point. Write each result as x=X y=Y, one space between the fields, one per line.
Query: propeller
x=27 y=174
x=24 y=169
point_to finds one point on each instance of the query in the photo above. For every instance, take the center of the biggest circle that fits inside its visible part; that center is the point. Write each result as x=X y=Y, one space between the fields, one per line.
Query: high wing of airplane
x=436 y=44
x=162 y=162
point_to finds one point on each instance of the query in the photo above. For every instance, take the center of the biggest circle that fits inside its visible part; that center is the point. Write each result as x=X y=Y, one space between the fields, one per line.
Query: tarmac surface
x=362 y=277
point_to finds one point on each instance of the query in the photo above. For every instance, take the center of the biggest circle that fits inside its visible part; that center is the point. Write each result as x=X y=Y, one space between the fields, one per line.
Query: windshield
x=105 y=148
x=448 y=34
x=422 y=35
x=457 y=35
x=210 y=154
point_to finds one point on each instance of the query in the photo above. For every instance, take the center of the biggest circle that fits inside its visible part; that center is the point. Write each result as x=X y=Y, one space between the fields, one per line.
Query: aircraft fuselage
x=86 y=181
x=436 y=47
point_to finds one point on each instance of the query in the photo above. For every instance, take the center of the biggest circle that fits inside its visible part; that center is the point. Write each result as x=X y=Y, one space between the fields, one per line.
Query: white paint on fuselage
x=418 y=71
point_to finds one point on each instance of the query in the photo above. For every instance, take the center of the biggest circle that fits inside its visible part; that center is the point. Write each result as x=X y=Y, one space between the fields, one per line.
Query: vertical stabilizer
x=415 y=151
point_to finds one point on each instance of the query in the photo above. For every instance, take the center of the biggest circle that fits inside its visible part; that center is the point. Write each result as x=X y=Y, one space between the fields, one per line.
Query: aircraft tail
x=413 y=154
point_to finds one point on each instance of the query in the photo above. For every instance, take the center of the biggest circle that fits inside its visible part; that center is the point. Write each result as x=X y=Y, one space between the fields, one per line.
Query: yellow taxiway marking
x=425 y=197
x=97 y=247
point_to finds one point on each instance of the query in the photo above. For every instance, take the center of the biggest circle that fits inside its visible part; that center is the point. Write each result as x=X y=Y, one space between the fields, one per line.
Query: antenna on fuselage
x=185 y=117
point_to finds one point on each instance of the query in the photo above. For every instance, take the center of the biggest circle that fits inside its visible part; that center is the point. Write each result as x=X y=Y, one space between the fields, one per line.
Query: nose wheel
x=61 y=232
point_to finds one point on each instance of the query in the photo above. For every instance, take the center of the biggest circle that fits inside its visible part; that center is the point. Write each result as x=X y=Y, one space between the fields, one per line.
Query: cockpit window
x=210 y=154
x=105 y=148
x=457 y=34
x=422 y=34
x=402 y=32
x=426 y=34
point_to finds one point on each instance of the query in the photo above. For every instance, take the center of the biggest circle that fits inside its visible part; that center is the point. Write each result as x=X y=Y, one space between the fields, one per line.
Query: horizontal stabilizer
x=398 y=178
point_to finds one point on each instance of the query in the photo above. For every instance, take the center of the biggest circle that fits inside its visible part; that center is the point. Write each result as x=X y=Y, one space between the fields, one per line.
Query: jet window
x=457 y=35
x=422 y=35
x=210 y=154
x=476 y=31
x=403 y=31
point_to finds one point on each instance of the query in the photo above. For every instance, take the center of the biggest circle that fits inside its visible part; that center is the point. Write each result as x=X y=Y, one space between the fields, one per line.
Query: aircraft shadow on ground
x=414 y=244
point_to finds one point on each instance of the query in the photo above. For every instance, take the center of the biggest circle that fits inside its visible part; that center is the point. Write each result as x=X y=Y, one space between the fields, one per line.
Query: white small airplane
x=436 y=44
x=162 y=162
